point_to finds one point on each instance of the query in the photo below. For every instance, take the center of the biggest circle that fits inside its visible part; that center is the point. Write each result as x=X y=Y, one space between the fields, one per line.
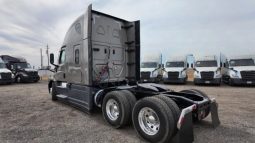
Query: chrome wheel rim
x=112 y=109
x=149 y=121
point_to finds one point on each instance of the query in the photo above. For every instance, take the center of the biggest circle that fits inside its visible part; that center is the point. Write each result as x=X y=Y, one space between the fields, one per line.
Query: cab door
x=61 y=70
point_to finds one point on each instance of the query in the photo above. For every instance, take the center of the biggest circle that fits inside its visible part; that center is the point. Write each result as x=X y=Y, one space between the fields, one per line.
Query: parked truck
x=151 y=70
x=175 y=70
x=21 y=69
x=207 y=70
x=6 y=76
x=99 y=66
x=239 y=70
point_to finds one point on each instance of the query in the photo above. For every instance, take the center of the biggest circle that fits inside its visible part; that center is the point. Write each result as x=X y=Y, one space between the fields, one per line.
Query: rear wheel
x=18 y=79
x=116 y=109
x=174 y=108
x=153 y=120
x=201 y=93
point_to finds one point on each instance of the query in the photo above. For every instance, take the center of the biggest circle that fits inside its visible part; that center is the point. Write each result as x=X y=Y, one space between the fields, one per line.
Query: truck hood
x=174 y=69
x=244 y=68
x=4 y=70
x=147 y=69
x=206 y=69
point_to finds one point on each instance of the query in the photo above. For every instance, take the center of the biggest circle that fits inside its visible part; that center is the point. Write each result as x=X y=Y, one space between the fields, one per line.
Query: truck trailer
x=21 y=69
x=6 y=76
x=99 y=67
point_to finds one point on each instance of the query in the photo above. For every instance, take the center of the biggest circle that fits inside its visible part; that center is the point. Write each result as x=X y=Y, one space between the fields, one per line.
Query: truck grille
x=6 y=75
x=248 y=75
x=207 y=75
x=145 y=75
x=173 y=75
x=32 y=73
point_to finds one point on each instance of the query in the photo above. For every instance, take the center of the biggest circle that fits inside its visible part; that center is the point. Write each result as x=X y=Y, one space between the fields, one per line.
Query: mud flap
x=214 y=113
x=185 y=126
x=185 y=134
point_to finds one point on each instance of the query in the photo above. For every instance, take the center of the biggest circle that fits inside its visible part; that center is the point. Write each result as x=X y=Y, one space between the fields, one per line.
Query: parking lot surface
x=27 y=114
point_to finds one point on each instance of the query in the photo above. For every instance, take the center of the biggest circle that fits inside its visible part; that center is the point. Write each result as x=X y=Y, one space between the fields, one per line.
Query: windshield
x=241 y=62
x=22 y=66
x=175 y=64
x=149 y=65
x=2 y=65
x=206 y=63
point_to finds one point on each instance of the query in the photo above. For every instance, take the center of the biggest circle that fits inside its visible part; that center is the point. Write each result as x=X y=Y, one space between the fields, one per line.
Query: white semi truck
x=6 y=76
x=239 y=70
x=151 y=70
x=99 y=67
x=207 y=70
x=175 y=70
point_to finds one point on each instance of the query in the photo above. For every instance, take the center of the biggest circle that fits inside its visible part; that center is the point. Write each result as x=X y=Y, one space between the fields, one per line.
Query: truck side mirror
x=187 y=65
x=220 y=64
x=52 y=59
x=163 y=66
x=192 y=65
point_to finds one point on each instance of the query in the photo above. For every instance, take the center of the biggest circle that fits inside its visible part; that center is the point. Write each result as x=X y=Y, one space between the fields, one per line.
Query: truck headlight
x=154 y=73
x=196 y=74
x=24 y=74
x=183 y=74
x=165 y=75
x=13 y=76
x=234 y=75
x=218 y=74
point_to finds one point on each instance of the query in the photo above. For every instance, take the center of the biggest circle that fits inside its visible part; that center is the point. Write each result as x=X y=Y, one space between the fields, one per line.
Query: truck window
x=76 y=56
x=241 y=62
x=149 y=65
x=2 y=65
x=175 y=64
x=62 y=57
x=206 y=64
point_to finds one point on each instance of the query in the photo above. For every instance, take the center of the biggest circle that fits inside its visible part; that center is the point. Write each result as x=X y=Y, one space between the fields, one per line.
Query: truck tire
x=54 y=92
x=116 y=109
x=174 y=108
x=132 y=100
x=201 y=93
x=18 y=79
x=153 y=120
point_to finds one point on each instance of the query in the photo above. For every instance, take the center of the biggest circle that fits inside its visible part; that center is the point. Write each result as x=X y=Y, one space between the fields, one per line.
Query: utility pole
x=41 y=58
x=47 y=53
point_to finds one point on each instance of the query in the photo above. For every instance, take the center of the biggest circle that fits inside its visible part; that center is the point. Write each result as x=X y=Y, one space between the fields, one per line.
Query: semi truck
x=151 y=71
x=239 y=70
x=175 y=70
x=207 y=70
x=99 y=67
x=6 y=76
x=21 y=69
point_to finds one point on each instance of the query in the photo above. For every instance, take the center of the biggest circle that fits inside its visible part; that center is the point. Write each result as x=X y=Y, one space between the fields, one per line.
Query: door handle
x=64 y=75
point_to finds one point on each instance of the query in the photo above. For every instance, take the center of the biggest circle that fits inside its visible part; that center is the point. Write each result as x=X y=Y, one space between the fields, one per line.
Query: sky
x=171 y=27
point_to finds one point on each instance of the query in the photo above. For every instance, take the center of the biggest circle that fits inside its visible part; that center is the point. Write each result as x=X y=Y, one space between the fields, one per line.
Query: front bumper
x=178 y=80
x=30 y=78
x=239 y=81
x=6 y=81
x=203 y=81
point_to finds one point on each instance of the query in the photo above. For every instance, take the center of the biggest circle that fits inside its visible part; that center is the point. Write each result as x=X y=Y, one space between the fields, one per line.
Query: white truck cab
x=6 y=76
x=150 y=71
x=175 y=71
x=207 y=70
x=239 y=70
